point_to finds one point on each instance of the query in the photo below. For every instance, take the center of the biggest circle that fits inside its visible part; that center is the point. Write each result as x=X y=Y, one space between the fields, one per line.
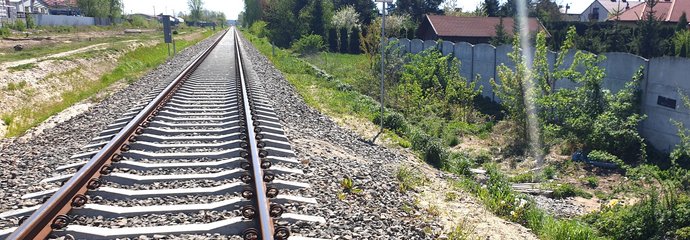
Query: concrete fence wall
x=663 y=78
x=64 y=20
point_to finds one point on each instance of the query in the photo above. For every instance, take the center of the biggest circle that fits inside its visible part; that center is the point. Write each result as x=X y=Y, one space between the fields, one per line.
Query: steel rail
x=52 y=214
x=262 y=205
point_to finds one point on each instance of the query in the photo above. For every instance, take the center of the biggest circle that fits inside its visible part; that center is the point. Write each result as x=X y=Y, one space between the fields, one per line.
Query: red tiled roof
x=452 y=26
x=668 y=11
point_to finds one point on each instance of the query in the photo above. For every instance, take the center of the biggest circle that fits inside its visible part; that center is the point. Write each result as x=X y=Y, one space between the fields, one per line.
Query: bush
x=30 y=22
x=394 y=121
x=19 y=25
x=459 y=164
x=432 y=149
x=309 y=44
x=258 y=28
x=343 y=40
x=4 y=31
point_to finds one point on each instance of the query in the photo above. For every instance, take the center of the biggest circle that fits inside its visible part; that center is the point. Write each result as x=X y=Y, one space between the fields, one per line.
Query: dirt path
x=58 y=55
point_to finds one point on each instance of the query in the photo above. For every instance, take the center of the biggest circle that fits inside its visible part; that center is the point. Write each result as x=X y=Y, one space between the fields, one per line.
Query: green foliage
x=501 y=35
x=459 y=164
x=410 y=178
x=19 y=25
x=30 y=24
x=343 y=40
x=354 y=41
x=647 y=43
x=22 y=67
x=569 y=190
x=4 y=31
x=566 y=229
x=100 y=8
x=591 y=181
x=658 y=215
x=549 y=172
x=491 y=8
x=258 y=28
x=431 y=85
x=252 y=12
x=681 y=42
x=348 y=186
x=394 y=121
x=417 y=8
x=682 y=23
x=308 y=45
x=511 y=91
x=333 y=40
x=680 y=156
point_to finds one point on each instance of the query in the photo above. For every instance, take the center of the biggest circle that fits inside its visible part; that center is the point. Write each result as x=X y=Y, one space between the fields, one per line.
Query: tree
x=343 y=40
x=681 y=42
x=417 y=8
x=252 y=12
x=195 y=8
x=346 y=17
x=354 y=41
x=316 y=24
x=501 y=35
x=94 y=8
x=332 y=40
x=682 y=23
x=548 y=11
x=648 y=41
x=508 y=9
x=115 y=10
x=282 y=23
x=490 y=7
x=365 y=9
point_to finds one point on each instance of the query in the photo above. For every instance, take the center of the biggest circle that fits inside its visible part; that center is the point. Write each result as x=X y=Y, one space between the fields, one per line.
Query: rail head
x=52 y=214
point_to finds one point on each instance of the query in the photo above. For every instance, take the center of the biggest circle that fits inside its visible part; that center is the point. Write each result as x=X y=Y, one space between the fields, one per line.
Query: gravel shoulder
x=330 y=153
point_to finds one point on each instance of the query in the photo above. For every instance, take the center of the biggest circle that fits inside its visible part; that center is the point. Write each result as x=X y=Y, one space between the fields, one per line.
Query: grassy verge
x=130 y=67
x=42 y=50
x=336 y=97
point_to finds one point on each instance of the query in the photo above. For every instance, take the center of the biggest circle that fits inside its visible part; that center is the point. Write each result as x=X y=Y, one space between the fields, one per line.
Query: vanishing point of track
x=211 y=126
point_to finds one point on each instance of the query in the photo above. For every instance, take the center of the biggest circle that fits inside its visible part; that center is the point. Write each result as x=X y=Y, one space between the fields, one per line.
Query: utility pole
x=383 y=62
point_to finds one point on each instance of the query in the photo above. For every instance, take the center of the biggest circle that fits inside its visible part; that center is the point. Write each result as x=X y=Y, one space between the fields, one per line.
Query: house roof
x=665 y=10
x=60 y=3
x=615 y=6
x=452 y=26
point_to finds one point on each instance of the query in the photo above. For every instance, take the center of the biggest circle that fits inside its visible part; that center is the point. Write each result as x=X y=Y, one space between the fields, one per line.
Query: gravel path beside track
x=329 y=153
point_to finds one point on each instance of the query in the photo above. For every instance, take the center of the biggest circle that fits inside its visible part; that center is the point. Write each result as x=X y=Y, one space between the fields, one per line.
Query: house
x=55 y=7
x=668 y=11
x=599 y=10
x=4 y=9
x=468 y=29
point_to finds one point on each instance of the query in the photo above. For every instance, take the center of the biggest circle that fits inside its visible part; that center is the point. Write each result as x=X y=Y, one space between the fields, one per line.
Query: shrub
x=4 y=31
x=30 y=22
x=394 y=121
x=410 y=178
x=258 y=28
x=309 y=44
x=569 y=190
x=459 y=164
x=549 y=172
x=591 y=181
x=19 y=25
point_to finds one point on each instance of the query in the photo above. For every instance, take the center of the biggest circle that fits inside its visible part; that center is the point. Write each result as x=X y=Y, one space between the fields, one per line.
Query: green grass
x=410 y=178
x=130 y=67
x=16 y=86
x=22 y=67
x=42 y=50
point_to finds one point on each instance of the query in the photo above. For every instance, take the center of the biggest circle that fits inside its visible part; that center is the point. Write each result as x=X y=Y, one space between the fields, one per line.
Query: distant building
x=53 y=7
x=598 y=10
x=468 y=29
x=668 y=11
x=4 y=9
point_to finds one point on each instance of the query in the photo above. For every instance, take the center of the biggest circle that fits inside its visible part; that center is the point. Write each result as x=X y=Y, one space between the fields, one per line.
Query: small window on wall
x=666 y=102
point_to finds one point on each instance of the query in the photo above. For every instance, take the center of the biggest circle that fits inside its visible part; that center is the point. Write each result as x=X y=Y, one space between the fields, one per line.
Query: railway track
x=205 y=156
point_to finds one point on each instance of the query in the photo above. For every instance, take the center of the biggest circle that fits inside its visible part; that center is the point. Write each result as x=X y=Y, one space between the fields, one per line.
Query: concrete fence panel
x=484 y=65
x=464 y=52
x=62 y=20
x=662 y=102
x=447 y=48
x=416 y=46
x=404 y=44
x=430 y=44
x=620 y=69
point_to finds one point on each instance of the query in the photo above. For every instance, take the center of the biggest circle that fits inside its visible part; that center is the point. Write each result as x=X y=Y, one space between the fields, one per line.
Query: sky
x=232 y=8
